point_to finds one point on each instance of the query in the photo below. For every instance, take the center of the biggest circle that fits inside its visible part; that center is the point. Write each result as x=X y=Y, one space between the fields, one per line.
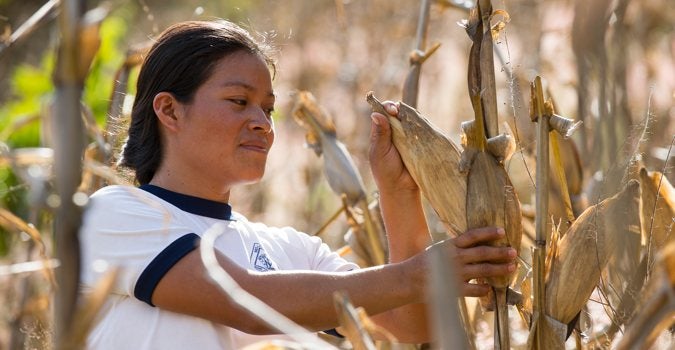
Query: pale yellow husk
x=433 y=161
x=585 y=249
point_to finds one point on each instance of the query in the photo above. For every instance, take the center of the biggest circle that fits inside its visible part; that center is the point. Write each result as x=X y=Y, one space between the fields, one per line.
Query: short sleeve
x=127 y=227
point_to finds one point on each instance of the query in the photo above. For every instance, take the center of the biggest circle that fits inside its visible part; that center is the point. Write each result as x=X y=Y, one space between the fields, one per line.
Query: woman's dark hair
x=179 y=62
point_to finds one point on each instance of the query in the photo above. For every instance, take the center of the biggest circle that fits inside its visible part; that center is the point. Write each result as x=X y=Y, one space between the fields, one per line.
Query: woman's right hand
x=473 y=258
x=386 y=164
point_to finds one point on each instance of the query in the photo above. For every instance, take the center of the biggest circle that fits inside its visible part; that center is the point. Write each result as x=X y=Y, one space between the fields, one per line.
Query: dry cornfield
x=569 y=146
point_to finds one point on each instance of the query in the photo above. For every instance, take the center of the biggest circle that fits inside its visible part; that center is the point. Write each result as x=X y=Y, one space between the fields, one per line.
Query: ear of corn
x=433 y=161
x=491 y=199
x=658 y=209
x=341 y=173
x=321 y=137
x=585 y=249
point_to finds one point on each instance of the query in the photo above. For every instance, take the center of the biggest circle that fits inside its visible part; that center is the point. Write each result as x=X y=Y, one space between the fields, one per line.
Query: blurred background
x=609 y=63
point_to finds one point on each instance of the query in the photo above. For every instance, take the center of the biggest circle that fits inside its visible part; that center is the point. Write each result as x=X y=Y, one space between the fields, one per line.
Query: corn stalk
x=78 y=45
x=448 y=329
x=46 y=12
x=541 y=201
x=418 y=56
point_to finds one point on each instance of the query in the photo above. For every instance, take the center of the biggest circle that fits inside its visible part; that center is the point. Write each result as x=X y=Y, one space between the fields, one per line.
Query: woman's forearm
x=408 y=235
x=305 y=297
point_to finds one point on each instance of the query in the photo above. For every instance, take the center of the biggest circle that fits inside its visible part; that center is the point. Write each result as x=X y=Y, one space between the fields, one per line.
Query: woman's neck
x=193 y=186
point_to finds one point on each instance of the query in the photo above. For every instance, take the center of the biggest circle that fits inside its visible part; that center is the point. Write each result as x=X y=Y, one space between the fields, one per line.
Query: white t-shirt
x=146 y=231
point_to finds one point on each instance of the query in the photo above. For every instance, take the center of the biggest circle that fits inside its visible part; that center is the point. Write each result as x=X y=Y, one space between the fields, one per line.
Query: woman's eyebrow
x=246 y=86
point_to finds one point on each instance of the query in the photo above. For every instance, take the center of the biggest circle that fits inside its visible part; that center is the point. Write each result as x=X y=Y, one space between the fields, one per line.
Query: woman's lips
x=260 y=147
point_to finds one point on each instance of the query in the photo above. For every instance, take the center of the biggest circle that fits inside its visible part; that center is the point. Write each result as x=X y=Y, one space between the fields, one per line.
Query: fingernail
x=512 y=253
x=500 y=231
x=512 y=267
x=375 y=120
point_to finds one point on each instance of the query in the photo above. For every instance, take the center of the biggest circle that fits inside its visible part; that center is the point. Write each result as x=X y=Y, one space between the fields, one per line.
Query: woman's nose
x=261 y=122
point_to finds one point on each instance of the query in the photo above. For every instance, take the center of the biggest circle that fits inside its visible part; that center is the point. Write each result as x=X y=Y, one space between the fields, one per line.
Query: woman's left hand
x=391 y=175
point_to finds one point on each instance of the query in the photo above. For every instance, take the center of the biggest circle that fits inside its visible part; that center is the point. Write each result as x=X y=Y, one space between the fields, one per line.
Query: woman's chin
x=252 y=179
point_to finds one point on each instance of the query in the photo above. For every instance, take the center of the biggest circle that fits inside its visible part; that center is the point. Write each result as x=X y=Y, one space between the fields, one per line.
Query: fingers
x=485 y=253
x=380 y=131
x=475 y=289
x=477 y=236
x=483 y=270
x=391 y=108
x=380 y=136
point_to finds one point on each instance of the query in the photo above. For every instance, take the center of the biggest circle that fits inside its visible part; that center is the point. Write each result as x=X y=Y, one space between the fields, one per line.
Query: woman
x=201 y=124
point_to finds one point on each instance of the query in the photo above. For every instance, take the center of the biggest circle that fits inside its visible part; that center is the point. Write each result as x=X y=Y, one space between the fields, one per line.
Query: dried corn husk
x=490 y=197
x=585 y=249
x=432 y=160
x=491 y=201
x=658 y=218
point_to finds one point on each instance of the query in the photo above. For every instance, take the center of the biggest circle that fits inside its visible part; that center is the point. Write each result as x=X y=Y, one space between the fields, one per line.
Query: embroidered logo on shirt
x=259 y=259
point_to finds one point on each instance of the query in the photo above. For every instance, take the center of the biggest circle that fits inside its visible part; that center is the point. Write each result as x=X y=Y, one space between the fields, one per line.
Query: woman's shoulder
x=116 y=191
x=124 y=200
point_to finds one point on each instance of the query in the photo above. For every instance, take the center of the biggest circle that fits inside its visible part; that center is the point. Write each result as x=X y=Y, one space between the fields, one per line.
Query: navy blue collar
x=190 y=204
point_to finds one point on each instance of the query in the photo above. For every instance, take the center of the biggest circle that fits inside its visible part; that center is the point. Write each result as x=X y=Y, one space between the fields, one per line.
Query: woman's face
x=227 y=129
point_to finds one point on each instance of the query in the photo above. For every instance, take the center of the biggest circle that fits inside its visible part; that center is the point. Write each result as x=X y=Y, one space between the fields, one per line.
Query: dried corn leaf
x=481 y=77
x=553 y=334
x=351 y=323
x=585 y=249
x=89 y=309
x=89 y=39
x=657 y=307
x=622 y=266
x=433 y=161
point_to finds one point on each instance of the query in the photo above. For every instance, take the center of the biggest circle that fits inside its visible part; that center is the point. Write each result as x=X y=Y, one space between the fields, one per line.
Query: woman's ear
x=167 y=109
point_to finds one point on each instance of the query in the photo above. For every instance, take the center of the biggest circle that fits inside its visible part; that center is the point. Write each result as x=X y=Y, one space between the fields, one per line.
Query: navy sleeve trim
x=334 y=333
x=161 y=264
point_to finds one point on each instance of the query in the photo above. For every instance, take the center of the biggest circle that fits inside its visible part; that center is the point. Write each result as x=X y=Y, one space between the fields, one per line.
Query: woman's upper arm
x=187 y=289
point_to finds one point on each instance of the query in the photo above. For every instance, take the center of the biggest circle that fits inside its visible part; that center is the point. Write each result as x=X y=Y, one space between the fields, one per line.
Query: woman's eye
x=269 y=111
x=238 y=101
